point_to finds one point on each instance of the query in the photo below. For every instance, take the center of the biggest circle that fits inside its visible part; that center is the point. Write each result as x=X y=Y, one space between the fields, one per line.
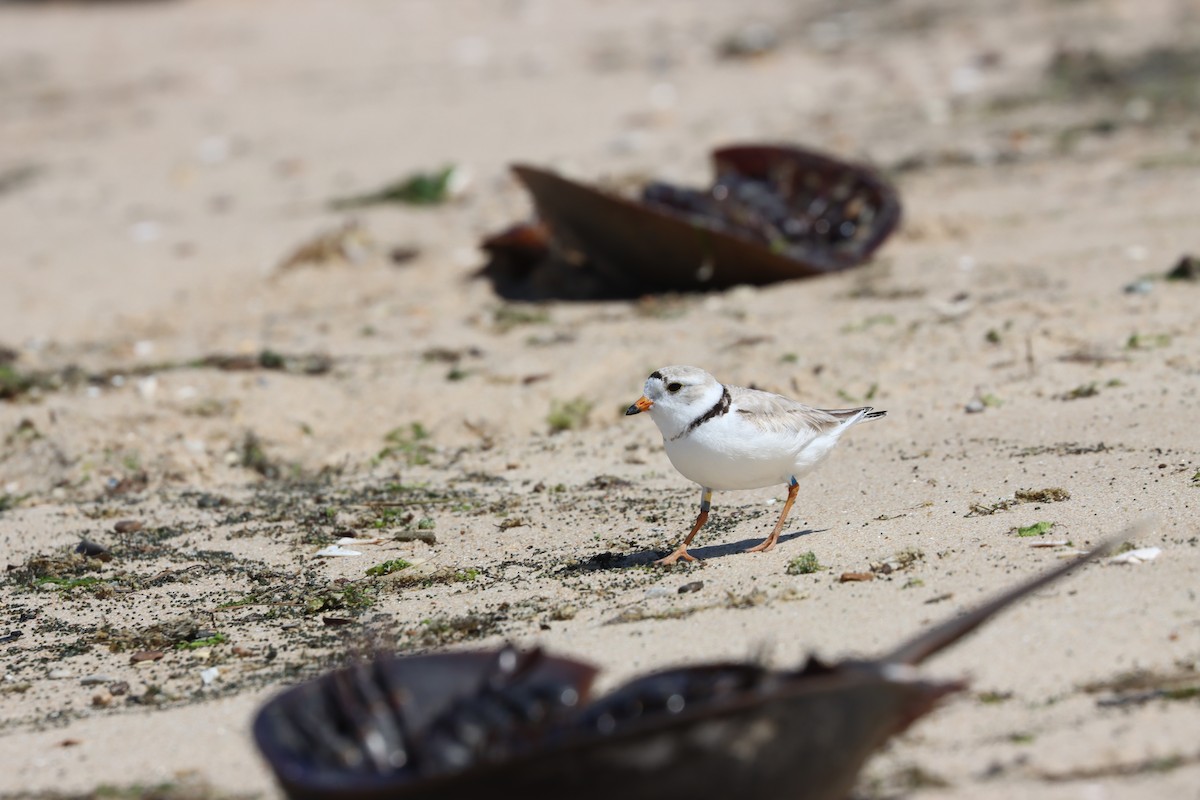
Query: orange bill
x=643 y=404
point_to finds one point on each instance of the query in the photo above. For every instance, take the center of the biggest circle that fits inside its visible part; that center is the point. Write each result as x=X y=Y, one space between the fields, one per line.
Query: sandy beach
x=186 y=384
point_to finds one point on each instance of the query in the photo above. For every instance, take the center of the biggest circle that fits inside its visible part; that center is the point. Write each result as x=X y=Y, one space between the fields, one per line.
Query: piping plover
x=730 y=437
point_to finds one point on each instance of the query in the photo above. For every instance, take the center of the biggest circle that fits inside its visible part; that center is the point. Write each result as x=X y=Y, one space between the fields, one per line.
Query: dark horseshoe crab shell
x=507 y=722
x=698 y=732
x=773 y=213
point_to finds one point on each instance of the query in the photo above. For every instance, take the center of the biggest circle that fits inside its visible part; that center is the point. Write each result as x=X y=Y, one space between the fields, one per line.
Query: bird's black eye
x=674 y=387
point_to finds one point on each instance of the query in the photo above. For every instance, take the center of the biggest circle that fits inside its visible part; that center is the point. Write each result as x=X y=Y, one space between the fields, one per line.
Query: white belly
x=742 y=457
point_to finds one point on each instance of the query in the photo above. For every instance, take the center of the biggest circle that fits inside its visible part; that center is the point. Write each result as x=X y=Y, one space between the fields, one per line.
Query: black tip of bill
x=633 y=409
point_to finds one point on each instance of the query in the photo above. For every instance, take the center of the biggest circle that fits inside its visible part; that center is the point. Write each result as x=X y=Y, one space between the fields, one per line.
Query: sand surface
x=160 y=160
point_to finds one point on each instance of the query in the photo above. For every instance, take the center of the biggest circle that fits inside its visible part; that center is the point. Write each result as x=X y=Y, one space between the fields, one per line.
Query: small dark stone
x=753 y=40
x=1188 y=269
x=207 y=500
x=402 y=254
x=130 y=484
x=127 y=526
x=694 y=586
x=92 y=549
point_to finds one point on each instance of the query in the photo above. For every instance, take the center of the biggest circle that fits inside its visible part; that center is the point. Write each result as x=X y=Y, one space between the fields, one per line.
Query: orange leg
x=681 y=551
x=769 y=542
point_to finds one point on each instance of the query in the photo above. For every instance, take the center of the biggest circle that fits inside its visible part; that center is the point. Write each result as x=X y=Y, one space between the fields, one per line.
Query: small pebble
x=207 y=500
x=209 y=675
x=752 y=40
x=127 y=526
x=657 y=591
x=403 y=254
x=118 y=688
x=58 y=674
x=1188 y=269
x=146 y=655
x=102 y=699
x=147 y=387
x=976 y=406
x=90 y=549
x=694 y=586
x=1139 y=287
x=95 y=680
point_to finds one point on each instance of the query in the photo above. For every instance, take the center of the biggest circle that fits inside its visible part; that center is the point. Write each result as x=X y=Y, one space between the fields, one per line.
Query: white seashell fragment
x=1139 y=556
x=337 y=550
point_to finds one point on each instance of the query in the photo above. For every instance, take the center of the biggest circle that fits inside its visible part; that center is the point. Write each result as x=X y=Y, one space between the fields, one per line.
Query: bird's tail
x=853 y=415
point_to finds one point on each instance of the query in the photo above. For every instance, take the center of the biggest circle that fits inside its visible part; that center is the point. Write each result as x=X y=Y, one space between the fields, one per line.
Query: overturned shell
x=411 y=727
x=504 y=721
x=773 y=213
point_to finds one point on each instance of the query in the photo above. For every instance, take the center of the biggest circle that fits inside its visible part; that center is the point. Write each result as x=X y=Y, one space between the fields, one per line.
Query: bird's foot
x=763 y=546
x=678 y=554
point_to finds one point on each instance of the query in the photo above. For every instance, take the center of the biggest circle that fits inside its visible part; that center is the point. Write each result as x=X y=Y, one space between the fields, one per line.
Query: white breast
x=730 y=453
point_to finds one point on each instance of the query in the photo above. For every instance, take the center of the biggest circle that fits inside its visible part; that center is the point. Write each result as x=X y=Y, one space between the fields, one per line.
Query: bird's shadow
x=614 y=561
x=733 y=548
